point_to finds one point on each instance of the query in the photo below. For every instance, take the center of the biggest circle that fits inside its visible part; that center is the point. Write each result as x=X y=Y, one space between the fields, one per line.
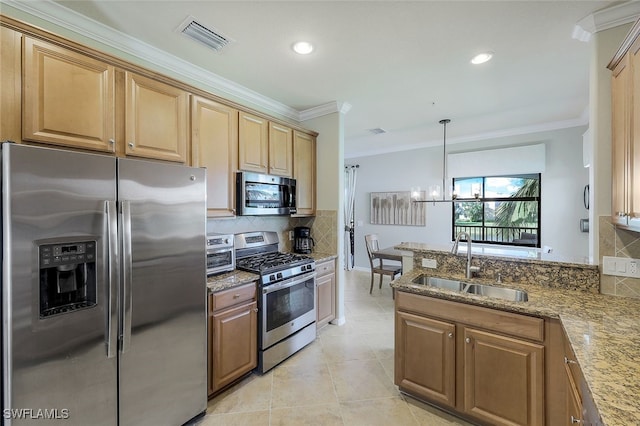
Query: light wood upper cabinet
x=280 y=150
x=304 y=172
x=625 y=126
x=68 y=98
x=10 y=85
x=253 y=143
x=264 y=146
x=156 y=119
x=214 y=142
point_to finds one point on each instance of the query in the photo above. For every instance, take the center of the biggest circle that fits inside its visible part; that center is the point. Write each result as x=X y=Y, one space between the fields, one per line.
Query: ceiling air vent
x=377 y=131
x=210 y=38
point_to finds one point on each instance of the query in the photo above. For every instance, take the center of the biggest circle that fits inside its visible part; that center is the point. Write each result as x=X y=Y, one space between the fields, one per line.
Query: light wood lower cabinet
x=426 y=357
x=233 y=335
x=503 y=378
x=325 y=292
x=485 y=364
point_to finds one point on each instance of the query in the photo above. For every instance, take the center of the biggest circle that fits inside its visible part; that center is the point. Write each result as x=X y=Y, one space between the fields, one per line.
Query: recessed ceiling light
x=482 y=58
x=303 y=47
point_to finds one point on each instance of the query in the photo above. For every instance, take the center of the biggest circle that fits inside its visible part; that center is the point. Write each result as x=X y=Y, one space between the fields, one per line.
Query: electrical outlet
x=620 y=266
x=290 y=235
x=429 y=263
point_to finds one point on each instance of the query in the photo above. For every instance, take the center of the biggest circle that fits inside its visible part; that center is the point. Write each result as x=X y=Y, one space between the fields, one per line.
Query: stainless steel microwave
x=259 y=194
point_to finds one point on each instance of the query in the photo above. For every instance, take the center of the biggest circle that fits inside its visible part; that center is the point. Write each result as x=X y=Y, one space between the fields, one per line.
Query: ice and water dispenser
x=67 y=277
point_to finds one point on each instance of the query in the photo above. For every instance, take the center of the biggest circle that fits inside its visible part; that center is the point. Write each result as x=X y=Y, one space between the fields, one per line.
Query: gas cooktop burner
x=270 y=262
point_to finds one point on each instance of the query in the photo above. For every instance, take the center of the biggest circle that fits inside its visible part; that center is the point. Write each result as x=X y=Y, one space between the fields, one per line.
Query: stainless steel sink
x=498 y=292
x=504 y=293
x=440 y=283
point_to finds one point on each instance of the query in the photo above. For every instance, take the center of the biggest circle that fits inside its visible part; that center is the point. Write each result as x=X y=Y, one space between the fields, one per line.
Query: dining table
x=388 y=253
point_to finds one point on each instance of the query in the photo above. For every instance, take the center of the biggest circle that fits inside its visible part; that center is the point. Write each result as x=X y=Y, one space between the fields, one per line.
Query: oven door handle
x=288 y=283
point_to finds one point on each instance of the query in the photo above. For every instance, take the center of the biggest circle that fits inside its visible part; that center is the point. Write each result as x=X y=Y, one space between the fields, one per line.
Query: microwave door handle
x=113 y=278
x=125 y=216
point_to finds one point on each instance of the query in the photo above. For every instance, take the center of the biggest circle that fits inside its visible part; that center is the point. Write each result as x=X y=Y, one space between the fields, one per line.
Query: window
x=509 y=212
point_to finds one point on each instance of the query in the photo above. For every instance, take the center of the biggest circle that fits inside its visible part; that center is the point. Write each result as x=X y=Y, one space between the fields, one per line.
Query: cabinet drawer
x=572 y=368
x=225 y=298
x=491 y=319
x=325 y=268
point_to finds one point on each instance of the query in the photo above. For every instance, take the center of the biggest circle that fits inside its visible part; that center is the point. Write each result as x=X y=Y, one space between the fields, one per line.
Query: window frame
x=484 y=200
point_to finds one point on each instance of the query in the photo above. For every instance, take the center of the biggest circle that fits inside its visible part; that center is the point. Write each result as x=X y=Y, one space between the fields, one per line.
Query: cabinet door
x=574 y=406
x=325 y=293
x=214 y=141
x=503 y=379
x=620 y=125
x=68 y=98
x=304 y=172
x=235 y=343
x=425 y=357
x=156 y=119
x=10 y=85
x=253 y=139
x=280 y=150
x=634 y=149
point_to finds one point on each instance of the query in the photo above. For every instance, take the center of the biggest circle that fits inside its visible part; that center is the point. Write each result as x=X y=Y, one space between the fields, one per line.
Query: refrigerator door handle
x=125 y=212
x=113 y=278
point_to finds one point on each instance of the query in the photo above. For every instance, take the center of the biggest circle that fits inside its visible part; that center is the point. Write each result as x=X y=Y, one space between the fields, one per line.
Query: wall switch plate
x=429 y=263
x=620 y=266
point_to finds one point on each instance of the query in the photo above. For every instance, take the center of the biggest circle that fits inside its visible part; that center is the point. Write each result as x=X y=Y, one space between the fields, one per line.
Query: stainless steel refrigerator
x=103 y=289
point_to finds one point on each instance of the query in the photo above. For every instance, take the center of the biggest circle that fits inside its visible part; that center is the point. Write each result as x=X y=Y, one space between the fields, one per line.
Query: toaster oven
x=221 y=255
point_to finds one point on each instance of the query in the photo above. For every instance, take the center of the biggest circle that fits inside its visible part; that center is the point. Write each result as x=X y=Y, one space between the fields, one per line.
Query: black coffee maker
x=303 y=243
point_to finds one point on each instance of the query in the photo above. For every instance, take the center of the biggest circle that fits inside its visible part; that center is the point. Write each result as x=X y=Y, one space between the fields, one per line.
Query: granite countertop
x=237 y=277
x=231 y=279
x=321 y=257
x=603 y=330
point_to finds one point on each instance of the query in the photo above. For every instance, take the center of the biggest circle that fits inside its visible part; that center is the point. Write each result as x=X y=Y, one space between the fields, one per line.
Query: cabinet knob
x=574 y=420
x=237 y=295
x=131 y=145
x=450 y=335
x=569 y=361
x=112 y=141
x=255 y=309
x=468 y=340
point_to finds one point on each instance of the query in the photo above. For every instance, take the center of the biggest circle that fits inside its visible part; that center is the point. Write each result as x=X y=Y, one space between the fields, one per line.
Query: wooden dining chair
x=371 y=242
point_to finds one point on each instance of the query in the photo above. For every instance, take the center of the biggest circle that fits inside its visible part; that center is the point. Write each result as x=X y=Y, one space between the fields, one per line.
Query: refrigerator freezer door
x=55 y=363
x=163 y=360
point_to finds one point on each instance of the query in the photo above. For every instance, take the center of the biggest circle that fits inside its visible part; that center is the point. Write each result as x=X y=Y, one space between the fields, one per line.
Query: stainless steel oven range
x=287 y=302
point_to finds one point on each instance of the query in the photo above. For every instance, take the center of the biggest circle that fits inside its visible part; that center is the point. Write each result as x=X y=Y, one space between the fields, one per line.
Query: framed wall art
x=396 y=208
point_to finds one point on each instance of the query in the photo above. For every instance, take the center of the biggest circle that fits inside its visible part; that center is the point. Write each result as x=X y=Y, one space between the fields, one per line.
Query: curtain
x=349 y=215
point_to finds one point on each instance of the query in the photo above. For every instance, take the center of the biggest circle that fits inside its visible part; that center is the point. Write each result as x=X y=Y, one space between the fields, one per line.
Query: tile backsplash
x=323 y=228
x=620 y=243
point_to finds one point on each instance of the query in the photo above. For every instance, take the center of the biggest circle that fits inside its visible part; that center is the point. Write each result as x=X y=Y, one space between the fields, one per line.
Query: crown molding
x=163 y=62
x=545 y=127
x=325 y=109
x=605 y=19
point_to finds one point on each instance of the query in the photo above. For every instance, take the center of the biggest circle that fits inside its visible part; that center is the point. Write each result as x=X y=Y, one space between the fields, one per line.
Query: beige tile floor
x=345 y=377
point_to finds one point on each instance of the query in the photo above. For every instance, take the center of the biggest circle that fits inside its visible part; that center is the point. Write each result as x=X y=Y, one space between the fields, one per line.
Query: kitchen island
x=603 y=331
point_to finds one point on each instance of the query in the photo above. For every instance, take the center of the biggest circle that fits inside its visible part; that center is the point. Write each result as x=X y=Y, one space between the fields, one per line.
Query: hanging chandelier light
x=437 y=193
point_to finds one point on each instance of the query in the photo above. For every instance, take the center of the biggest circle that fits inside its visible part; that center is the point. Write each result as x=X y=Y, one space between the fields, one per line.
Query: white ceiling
x=401 y=65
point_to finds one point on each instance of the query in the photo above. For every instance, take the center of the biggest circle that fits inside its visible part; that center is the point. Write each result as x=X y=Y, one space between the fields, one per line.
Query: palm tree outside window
x=508 y=211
